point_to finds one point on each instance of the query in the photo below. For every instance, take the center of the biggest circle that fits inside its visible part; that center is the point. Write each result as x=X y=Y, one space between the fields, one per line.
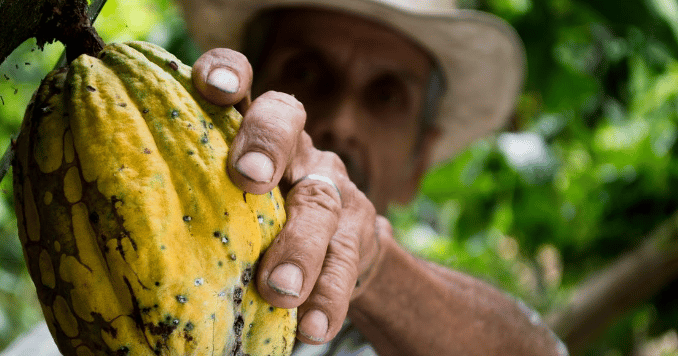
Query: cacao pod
x=135 y=238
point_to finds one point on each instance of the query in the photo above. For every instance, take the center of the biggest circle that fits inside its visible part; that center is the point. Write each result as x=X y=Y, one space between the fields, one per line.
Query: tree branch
x=16 y=27
x=631 y=279
x=47 y=21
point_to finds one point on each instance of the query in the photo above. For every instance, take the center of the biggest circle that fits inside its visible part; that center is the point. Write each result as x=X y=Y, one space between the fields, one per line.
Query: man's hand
x=331 y=235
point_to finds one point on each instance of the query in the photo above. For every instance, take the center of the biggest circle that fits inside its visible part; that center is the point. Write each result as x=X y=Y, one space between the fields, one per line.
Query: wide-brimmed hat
x=480 y=55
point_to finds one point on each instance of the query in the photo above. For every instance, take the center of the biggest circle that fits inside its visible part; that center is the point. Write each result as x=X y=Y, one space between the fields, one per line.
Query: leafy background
x=586 y=170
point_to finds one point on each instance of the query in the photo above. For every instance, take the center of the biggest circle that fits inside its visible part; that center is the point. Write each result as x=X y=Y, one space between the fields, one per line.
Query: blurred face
x=363 y=88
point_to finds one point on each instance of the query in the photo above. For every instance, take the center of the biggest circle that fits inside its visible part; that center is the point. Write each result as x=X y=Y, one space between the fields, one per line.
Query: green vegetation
x=586 y=173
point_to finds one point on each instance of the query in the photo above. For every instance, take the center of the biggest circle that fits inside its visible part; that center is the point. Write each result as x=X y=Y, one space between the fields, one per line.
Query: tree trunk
x=633 y=278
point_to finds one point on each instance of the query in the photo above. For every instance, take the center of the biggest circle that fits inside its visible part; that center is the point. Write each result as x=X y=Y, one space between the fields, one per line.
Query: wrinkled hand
x=330 y=239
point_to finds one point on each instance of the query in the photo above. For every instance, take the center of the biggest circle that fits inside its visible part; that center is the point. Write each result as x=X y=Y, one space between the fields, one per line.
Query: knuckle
x=268 y=133
x=333 y=160
x=357 y=200
x=333 y=288
x=225 y=55
x=237 y=56
x=316 y=196
x=342 y=255
x=275 y=113
x=285 y=99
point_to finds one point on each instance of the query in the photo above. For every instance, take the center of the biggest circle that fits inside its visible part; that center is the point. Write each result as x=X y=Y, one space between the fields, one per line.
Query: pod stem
x=74 y=29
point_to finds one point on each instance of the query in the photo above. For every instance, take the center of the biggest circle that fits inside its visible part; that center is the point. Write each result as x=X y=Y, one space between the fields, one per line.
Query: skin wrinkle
x=271 y=118
x=313 y=196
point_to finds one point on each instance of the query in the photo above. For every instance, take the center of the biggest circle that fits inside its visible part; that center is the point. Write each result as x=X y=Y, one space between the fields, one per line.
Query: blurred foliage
x=588 y=167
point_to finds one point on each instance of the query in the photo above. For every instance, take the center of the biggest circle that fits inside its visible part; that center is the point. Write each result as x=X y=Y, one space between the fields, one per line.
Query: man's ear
x=421 y=161
x=430 y=137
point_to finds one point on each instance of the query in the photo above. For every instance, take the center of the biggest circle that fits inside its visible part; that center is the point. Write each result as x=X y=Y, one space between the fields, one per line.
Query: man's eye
x=386 y=95
x=307 y=76
x=301 y=71
x=387 y=92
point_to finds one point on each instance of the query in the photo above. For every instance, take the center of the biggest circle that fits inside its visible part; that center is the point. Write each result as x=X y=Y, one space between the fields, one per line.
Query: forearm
x=416 y=308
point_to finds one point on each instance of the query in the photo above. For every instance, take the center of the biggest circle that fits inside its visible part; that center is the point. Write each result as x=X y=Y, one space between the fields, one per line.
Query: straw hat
x=480 y=55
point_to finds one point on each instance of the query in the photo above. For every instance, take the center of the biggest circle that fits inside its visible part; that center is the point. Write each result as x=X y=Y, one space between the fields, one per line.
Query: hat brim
x=481 y=56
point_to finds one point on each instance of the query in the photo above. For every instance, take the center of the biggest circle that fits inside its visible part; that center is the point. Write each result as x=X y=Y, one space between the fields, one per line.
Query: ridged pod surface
x=137 y=241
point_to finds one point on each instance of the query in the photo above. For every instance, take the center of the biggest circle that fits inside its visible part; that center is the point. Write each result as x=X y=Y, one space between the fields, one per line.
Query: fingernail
x=255 y=166
x=286 y=279
x=314 y=325
x=224 y=80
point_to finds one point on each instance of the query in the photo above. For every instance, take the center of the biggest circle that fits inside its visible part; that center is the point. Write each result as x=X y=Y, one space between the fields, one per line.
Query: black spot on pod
x=204 y=139
x=233 y=257
x=174 y=114
x=237 y=348
x=244 y=196
x=182 y=299
x=238 y=325
x=145 y=111
x=189 y=326
x=188 y=337
x=122 y=351
x=173 y=65
x=246 y=276
x=187 y=218
x=237 y=295
x=90 y=88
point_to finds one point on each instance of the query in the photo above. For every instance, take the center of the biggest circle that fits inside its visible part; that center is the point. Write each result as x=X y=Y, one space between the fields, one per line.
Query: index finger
x=223 y=76
x=262 y=149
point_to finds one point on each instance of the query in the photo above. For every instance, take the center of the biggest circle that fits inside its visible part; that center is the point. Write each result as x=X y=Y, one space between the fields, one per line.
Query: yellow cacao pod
x=136 y=240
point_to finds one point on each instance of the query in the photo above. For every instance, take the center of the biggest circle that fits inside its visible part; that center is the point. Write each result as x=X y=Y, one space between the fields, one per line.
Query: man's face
x=363 y=87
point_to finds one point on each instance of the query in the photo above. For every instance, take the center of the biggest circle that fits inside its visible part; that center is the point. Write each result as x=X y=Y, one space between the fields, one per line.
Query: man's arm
x=413 y=307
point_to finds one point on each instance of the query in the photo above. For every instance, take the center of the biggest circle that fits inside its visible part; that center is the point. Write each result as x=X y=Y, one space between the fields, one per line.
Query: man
x=391 y=87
